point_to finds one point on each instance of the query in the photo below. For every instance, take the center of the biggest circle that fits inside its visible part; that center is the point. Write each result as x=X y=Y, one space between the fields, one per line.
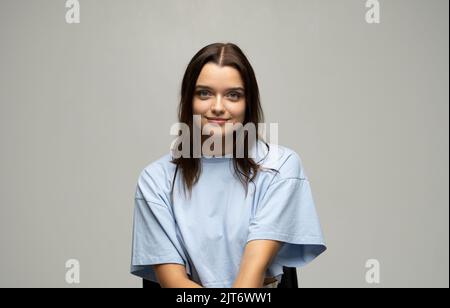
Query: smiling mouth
x=217 y=120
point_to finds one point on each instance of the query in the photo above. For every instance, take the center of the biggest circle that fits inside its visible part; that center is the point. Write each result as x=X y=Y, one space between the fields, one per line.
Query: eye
x=235 y=95
x=203 y=94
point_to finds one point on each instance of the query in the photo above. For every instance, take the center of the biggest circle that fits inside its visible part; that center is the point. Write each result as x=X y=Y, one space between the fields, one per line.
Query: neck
x=217 y=150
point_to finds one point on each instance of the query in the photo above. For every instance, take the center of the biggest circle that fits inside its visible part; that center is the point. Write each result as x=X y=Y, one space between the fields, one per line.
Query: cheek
x=199 y=106
x=238 y=111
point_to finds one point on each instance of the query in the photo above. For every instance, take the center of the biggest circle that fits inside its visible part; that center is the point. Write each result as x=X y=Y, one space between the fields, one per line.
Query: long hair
x=222 y=54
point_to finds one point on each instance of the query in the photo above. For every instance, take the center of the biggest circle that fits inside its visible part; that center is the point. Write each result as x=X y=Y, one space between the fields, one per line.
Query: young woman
x=219 y=219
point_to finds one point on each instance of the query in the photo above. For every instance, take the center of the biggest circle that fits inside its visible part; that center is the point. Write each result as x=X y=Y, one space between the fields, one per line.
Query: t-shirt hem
x=140 y=261
x=289 y=238
x=220 y=284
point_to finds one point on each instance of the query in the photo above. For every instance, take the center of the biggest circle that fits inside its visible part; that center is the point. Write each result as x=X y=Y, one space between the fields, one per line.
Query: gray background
x=85 y=107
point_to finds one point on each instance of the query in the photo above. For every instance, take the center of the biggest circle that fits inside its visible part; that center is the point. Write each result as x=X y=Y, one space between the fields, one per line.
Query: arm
x=173 y=276
x=258 y=255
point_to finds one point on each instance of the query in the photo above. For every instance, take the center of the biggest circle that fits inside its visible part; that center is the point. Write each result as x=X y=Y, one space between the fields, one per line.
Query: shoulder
x=155 y=179
x=284 y=160
x=159 y=168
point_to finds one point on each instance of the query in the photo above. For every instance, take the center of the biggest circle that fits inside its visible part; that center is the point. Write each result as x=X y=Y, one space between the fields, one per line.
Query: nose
x=217 y=106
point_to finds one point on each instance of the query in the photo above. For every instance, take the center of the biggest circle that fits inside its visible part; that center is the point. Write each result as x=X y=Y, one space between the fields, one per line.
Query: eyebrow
x=229 y=89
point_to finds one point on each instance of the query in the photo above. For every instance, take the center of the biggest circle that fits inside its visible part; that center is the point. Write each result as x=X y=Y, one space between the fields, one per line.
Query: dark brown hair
x=222 y=54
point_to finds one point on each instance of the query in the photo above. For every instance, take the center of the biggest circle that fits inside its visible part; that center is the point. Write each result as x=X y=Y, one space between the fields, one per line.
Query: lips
x=217 y=120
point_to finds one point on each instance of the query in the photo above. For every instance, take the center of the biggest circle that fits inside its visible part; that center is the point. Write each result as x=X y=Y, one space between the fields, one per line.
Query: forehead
x=219 y=77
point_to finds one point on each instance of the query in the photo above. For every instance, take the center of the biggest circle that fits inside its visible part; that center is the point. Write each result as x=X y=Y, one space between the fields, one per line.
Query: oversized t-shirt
x=207 y=232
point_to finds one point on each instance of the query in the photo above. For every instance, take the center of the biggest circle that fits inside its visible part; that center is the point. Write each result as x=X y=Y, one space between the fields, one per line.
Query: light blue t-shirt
x=208 y=232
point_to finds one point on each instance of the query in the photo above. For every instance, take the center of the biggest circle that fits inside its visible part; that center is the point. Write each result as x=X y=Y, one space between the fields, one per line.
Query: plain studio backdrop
x=85 y=107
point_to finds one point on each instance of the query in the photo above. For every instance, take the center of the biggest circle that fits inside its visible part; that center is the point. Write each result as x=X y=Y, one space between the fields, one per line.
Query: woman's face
x=219 y=97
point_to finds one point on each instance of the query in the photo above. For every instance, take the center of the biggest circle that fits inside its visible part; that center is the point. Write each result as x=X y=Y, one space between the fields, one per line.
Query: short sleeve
x=287 y=213
x=155 y=238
